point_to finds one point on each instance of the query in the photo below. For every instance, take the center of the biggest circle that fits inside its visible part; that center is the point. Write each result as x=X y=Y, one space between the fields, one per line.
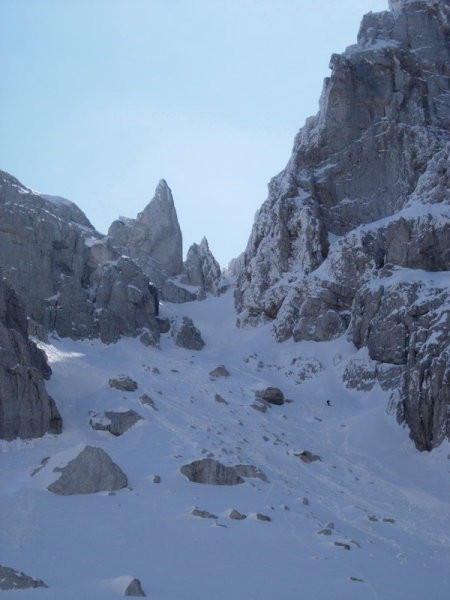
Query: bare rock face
x=201 y=269
x=154 y=238
x=68 y=276
x=26 y=410
x=13 y=580
x=90 y=472
x=364 y=196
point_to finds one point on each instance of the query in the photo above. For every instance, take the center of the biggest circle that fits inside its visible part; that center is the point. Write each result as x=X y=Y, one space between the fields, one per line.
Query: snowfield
x=370 y=520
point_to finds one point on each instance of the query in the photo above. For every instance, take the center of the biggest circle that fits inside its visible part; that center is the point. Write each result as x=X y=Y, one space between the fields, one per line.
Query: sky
x=100 y=99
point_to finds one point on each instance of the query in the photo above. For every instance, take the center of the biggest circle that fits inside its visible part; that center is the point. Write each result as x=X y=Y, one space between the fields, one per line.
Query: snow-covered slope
x=384 y=505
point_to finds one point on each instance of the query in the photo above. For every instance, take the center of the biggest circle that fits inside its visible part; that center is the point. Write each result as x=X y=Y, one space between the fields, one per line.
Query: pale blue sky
x=102 y=98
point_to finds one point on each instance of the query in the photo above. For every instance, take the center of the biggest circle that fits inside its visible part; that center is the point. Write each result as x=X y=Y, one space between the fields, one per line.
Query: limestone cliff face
x=26 y=410
x=366 y=194
x=69 y=278
x=153 y=239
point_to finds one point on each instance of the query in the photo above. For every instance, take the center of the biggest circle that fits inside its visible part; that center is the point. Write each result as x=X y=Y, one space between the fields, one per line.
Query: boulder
x=308 y=457
x=219 y=371
x=13 y=580
x=26 y=409
x=123 y=383
x=272 y=395
x=208 y=470
x=116 y=423
x=90 y=472
x=186 y=334
x=203 y=514
x=236 y=515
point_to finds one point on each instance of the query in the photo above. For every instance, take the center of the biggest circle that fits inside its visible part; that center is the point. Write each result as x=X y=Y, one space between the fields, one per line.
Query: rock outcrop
x=69 y=277
x=365 y=194
x=90 y=472
x=13 y=580
x=26 y=409
x=153 y=240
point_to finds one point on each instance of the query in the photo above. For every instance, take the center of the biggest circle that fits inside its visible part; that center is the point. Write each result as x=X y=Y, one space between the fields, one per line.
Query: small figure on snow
x=328 y=403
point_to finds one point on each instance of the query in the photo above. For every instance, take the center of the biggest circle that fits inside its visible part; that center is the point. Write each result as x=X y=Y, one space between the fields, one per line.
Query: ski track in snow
x=372 y=490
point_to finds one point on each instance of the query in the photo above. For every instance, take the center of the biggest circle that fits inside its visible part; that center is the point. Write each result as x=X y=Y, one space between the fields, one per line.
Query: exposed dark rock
x=26 y=409
x=236 y=515
x=116 y=423
x=343 y=545
x=208 y=470
x=262 y=517
x=134 y=589
x=203 y=514
x=218 y=398
x=147 y=401
x=123 y=383
x=219 y=371
x=272 y=395
x=10 y=579
x=163 y=324
x=90 y=472
x=186 y=334
x=308 y=457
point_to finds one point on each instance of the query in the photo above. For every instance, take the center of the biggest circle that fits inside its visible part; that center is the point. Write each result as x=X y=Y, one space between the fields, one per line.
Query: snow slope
x=374 y=493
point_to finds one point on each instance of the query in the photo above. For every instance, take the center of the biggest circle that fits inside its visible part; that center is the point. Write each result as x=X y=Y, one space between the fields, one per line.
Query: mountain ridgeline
x=352 y=241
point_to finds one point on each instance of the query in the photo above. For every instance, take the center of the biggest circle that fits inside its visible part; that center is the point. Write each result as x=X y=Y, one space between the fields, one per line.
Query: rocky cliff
x=69 y=277
x=26 y=410
x=359 y=218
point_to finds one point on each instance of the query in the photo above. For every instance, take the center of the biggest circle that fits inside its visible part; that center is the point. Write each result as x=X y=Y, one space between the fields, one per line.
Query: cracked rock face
x=364 y=196
x=26 y=409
